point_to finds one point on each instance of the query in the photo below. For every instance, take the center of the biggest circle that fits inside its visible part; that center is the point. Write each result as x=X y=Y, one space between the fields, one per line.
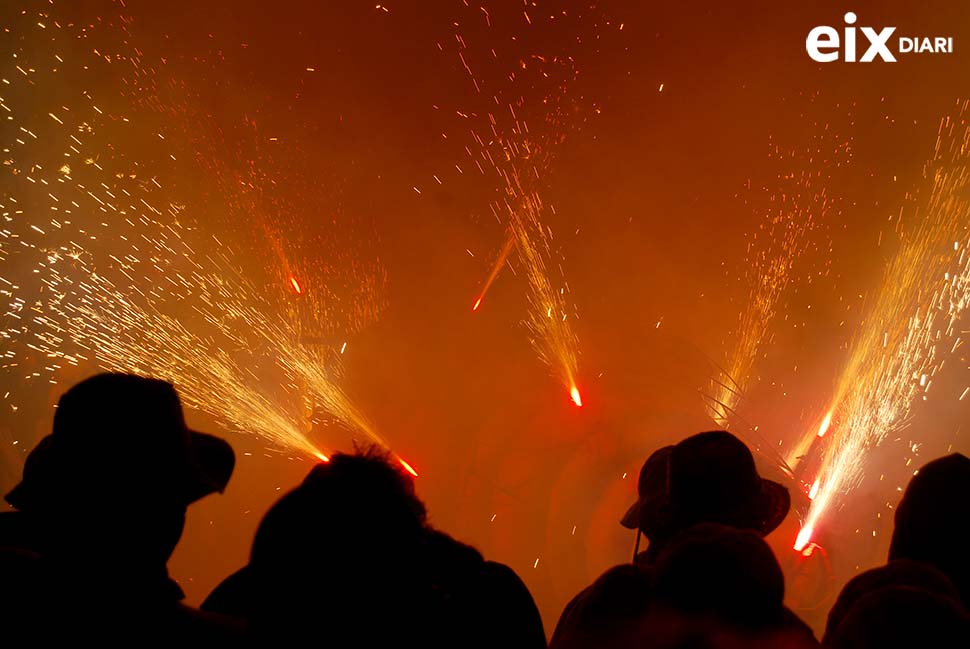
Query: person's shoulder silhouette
x=902 y=616
x=901 y=572
x=610 y=612
x=350 y=544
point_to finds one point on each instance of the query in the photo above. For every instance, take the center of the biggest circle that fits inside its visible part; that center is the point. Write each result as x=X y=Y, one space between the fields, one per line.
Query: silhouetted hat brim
x=216 y=461
x=773 y=505
x=766 y=512
x=631 y=519
x=213 y=462
x=651 y=488
x=650 y=513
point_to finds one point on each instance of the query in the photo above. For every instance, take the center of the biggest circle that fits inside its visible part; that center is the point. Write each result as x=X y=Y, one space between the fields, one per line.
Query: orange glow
x=809 y=549
x=478 y=303
x=823 y=428
x=322 y=457
x=408 y=467
x=803 y=538
x=574 y=395
x=295 y=284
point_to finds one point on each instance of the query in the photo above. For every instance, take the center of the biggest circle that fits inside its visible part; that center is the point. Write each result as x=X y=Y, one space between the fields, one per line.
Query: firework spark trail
x=330 y=397
x=213 y=359
x=797 y=208
x=503 y=256
x=124 y=336
x=519 y=157
x=341 y=289
x=552 y=336
x=551 y=332
x=753 y=326
x=211 y=350
x=108 y=277
x=910 y=328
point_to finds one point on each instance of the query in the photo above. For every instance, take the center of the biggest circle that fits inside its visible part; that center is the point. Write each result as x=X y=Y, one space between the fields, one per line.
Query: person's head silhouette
x=345 y=545
x=118 y=470
x=933 y=520
x=709 y=477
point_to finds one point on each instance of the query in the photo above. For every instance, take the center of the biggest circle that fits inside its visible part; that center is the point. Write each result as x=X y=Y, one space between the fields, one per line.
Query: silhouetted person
x=101 y=507
x=348 y=559
x=610 y=613
x=709 y=477
x=902 y=572
x=933 y=520
x=728 y=575
x=717 y=570
x=706 y=478
x=901 y=616
x=491 y=604
x=20 y=591
x=647 y=514
x=711 y=586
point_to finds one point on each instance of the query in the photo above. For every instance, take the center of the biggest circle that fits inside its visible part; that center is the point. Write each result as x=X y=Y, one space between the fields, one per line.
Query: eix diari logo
x=824 y=44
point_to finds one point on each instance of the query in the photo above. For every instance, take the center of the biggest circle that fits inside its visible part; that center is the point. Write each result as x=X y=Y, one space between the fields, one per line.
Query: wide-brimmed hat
x=710 y=478
x=651 y=492
x=118 y=437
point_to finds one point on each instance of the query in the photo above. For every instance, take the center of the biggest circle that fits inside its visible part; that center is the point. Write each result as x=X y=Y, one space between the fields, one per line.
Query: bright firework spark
x=575 y=396
x=98 y=264
x=801 y=449
x=552 y=336
x=408 y=467
x=496 y=267
x=518 y=157
x=925 y=290
x=813 y=492
x=128 y=336
x=799 y=204
x=824 y=426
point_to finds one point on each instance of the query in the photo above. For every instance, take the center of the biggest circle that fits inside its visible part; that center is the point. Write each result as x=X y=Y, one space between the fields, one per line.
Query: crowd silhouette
x=349 y=559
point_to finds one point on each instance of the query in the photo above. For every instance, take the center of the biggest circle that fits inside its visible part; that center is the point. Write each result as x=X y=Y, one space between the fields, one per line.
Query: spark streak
x=925 y=289
x=793 y=211
x=119 y=276
x=496 y=268
x=519 y=156
x=552 y=336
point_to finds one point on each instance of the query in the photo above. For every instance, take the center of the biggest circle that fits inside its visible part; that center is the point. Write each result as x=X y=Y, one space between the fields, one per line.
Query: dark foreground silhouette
x=348 y=559
x=100 y=509
x=351 y=545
